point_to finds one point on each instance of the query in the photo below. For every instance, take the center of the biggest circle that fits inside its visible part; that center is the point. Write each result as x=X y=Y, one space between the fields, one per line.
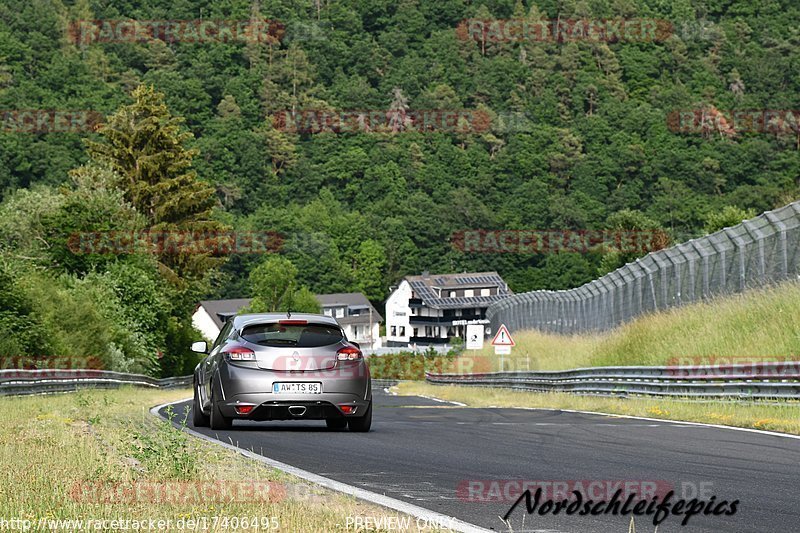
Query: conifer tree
x=146 y=146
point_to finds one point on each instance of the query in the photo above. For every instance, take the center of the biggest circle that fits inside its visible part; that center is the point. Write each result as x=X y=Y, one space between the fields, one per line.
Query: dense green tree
x=726 y=217
x=274 y=288
x=369 y=267
x=146 y=147
x=597 y=137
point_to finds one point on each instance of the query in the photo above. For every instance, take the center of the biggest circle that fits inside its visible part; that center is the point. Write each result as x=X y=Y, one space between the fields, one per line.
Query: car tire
x=199 y=419
x=361 y=424
x=336 y=423
x=218 y=421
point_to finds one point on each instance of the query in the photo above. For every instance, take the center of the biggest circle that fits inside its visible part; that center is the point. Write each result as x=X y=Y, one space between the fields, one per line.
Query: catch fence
x=755 y=253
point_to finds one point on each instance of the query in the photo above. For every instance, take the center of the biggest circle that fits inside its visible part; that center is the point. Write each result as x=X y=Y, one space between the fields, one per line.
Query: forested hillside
x=590 y=146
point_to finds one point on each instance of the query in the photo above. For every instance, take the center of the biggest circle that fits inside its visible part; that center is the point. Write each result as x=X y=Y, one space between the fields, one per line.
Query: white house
x=210 y=315
x=432 y=308
x=360 y=321
x=358 y=318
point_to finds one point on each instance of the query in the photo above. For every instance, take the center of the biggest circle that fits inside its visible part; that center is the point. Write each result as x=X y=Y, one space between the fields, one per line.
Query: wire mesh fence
x=757 y=252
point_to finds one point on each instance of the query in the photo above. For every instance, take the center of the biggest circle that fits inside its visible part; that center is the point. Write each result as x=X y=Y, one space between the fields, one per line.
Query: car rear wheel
x=336 y=423
x=218 y=421
x=362 y=423
x=199 y=420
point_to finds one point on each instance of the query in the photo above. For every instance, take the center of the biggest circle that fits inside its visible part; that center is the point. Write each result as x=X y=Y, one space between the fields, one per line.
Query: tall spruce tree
x=146 y=146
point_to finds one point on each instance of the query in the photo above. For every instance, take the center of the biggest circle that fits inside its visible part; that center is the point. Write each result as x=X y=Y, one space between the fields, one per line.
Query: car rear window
x=298 y=336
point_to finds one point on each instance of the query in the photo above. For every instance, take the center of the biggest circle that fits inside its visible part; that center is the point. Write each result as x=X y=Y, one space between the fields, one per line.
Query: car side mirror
x=200 y=347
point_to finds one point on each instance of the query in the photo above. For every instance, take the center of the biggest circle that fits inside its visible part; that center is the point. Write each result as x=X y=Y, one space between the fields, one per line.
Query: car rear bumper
x=295 y=409
x=242 y=386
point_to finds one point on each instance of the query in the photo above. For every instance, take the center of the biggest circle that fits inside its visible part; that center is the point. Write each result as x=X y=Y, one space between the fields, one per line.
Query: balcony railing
x=441 y=319
x=428 y=340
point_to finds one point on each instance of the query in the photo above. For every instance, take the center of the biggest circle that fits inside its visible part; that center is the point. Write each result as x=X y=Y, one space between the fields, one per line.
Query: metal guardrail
x=19 y=382
x=743 y=381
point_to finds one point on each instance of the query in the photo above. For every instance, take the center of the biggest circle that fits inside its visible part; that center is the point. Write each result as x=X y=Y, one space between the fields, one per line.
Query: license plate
x=297 y=388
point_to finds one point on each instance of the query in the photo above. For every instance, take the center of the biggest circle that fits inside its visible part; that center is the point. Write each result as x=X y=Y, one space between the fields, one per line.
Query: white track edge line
x=662 y=420
x=431 y=517
x=669 y=421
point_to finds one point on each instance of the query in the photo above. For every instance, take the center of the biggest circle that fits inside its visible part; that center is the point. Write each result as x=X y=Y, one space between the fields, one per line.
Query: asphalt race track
x=422 y=451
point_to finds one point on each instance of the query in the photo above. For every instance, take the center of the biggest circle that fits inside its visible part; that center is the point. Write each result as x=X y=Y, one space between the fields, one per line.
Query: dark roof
x=353 y=300
x=424 y=285
x=221 y=310
x=342 y=298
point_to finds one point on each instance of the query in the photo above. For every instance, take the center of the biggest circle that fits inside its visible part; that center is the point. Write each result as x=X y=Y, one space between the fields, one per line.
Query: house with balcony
x=432 y=308
x=358 y=318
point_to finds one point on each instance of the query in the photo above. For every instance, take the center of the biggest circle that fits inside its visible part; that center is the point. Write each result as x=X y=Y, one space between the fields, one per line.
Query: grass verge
x=781 y=418
x=759 y=325
x=57 y=448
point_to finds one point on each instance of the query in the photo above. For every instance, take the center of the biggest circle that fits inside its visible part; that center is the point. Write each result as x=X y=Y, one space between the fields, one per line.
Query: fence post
x=775 y=221
x=740 y=244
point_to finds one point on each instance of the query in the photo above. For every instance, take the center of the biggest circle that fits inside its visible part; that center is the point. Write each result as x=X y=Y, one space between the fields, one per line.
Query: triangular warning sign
x=503 y=337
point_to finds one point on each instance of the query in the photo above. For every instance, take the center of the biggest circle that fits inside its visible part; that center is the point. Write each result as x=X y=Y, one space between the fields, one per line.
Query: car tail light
x=348 y=409
x=348 y=353
x=244 y=409
x=239 y=353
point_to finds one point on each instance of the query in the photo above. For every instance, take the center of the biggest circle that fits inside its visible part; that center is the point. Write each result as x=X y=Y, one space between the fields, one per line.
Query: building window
x=486 y=292
x=394 y=331
x=468 y=293
x=328 y=312
x=416 y=332
x=339 y=312
x=402 y=331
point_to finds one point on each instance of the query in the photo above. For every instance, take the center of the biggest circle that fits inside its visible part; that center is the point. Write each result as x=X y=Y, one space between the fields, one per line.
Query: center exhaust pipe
x=297 y=410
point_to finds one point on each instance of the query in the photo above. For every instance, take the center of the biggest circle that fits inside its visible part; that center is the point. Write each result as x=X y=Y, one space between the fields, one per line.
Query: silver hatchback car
x=279 y=366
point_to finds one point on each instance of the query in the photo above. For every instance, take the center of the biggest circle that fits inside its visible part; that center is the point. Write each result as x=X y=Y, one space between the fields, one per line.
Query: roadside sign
x=502 y=350
x=474 y=336
x=503 y=337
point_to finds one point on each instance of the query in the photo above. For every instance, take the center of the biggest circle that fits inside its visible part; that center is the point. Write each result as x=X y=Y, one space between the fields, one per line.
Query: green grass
x=409 y=365
x=760 y=325
x=782 y=418
x=51 y=443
